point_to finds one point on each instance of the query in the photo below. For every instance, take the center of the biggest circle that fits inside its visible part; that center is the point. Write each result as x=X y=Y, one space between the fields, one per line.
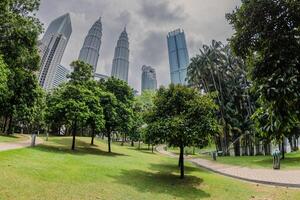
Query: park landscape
x=212 y=138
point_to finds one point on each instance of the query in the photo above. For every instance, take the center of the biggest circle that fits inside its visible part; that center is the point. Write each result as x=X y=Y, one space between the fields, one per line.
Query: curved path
x=17 y=145
x=286 y=178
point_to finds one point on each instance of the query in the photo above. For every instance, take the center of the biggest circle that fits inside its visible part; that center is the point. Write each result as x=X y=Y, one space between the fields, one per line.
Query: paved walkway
x=286 y=178
x=17 y=145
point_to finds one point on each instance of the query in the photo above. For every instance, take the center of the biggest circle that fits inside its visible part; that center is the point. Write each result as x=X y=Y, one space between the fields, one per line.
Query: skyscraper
x=120 y=65
x=60 y=76
x=52 y=48
x=178 y=56
x=89 y=52
x=149 y=81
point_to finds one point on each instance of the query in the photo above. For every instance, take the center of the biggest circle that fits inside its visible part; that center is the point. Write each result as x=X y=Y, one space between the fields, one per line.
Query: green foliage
x=267 y=35
x=77 y=101
x=182 y=117
x=4 y=73
x=121 y=117
x=18 y=44
x=217 y=69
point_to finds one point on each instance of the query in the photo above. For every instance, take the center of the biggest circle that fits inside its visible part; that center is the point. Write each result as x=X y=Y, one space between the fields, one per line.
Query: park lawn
x=12 y=138
x=52 y=171
x=291 y=161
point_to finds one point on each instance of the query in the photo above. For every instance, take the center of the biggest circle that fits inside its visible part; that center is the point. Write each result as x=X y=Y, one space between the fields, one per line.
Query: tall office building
x=60 y=76
x=149 y=81
x=178 y=56
x=120 y=65
x=52 y=48
x=89 y=52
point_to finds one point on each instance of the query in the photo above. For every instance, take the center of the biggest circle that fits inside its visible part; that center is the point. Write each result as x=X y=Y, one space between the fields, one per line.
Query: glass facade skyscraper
x=149 y=81
x=89 y=52
x=60 y=76
x=120 y=65
x=178 y=56
x=52 y=48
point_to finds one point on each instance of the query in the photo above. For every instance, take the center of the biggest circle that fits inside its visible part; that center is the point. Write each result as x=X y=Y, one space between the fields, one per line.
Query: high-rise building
x=52 y=48
x=98 y=76
x=60 y=76
x=120 y=65
x=178 y=56
x=89 y=52
x=149 y=81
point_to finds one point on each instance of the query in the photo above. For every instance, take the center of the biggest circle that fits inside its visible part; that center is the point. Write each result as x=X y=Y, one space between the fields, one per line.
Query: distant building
x=52 y=48
x=60 y=76
x=149 y=81
x=120 y=65
x=89 y=52
x=178 y=56
x=98 y=76
x=135 y=93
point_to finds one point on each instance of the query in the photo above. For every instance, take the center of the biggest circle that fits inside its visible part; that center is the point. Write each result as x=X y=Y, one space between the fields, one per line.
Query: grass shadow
x=8 y=136
x=63 y=146
x=162 y=183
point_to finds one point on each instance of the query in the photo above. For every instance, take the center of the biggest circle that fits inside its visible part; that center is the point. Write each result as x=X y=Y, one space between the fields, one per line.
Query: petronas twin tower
x=55 y=40
x=90 y=51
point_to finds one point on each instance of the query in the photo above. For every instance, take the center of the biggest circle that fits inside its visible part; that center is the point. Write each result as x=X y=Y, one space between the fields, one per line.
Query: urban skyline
x=148 y=23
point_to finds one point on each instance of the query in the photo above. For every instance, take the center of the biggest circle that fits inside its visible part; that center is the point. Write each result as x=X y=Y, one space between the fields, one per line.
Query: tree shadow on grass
x=162 y=183
x=143 y=150
x=63 y=146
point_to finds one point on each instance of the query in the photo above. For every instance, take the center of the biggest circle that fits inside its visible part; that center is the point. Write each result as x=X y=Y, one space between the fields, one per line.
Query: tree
x=4 y=72
x=96 y=117
x=217 y=69
x=267 y=36
x=18 y=44
x=142 y=105
x=121 y=118
x=182 y=117
x=77 y=101
x=111 y=120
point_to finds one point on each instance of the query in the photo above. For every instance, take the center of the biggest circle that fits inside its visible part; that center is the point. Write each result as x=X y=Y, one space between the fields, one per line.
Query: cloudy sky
x=148 y=22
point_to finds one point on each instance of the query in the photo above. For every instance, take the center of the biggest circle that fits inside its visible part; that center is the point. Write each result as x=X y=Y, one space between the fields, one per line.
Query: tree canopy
x=182 y=117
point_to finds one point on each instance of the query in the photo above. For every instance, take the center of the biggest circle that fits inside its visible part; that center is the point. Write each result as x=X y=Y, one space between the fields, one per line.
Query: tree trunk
x=132 y=143
x=152 y=148
x=139 y=144
x=74 y=134
x=282 y=147
x=181 y=162
x=4 y=125
x=93 y=136
x=109 y=140
x=9 y=131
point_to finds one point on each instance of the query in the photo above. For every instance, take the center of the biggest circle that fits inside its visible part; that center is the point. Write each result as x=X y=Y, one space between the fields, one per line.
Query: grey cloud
x=154 y=48
x=148 y=23
x=162 y=11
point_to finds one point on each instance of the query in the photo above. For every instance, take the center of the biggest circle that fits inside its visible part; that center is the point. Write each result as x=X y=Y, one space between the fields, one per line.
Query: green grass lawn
x=12 y=138
x=52 y=171
x=291 y=161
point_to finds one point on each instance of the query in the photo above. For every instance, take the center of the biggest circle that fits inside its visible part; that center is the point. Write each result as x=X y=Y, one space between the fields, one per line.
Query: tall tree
x=18 y=44
x=268 y=36
x=124 y=96
x=217 y=69
x=182 y=117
